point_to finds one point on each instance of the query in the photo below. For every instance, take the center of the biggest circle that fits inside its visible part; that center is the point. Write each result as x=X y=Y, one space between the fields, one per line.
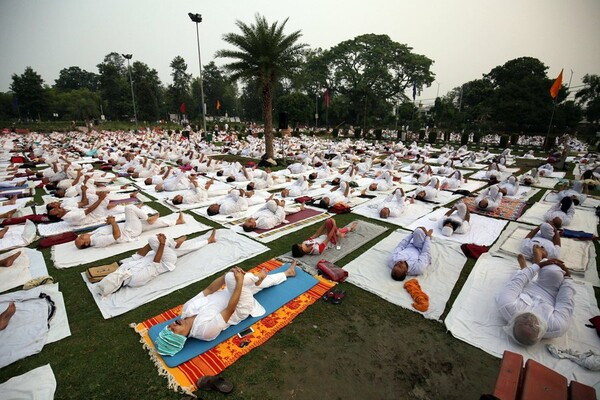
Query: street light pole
x=197 y=18
x=438 y=90
x=128 y=57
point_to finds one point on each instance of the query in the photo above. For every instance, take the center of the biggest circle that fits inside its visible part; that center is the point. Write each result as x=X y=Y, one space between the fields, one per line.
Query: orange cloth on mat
x=420 y=298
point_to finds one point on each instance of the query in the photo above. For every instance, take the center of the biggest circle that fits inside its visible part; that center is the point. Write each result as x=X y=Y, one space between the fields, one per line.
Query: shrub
x=357 y=133
x=421 y=135
x=504 y=141
x=335 y=133
x=378 y=134
x=514 y=139
x=477 y=138
x=261 y=135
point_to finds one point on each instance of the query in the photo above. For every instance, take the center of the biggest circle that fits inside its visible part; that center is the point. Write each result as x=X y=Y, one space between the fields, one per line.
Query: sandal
x=329 y=296
x=338 y=297
x=217 y=383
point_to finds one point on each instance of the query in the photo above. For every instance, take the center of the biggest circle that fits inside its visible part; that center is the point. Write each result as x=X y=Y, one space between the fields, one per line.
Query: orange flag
x=556 y=85
x=218 y=105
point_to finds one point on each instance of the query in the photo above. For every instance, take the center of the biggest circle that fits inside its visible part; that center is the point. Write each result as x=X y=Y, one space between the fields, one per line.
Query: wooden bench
x=536 y=382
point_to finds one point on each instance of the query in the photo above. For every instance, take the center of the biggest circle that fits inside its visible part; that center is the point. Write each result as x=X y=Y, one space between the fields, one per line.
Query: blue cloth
x=271 y=299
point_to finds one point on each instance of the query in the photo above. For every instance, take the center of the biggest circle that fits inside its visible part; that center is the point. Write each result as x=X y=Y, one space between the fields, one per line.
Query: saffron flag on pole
x=218 y=105
x=327 y=98
x=556 y=85
x=182 y=108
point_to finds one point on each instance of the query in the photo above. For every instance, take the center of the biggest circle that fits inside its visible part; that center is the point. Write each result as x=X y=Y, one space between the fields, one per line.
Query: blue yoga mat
x=271 y=299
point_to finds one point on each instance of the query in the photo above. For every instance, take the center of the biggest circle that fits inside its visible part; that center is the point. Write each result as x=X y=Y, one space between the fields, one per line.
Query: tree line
x=369 y=81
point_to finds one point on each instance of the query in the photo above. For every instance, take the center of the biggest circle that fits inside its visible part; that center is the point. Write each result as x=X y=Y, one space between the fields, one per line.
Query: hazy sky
x=465 y=38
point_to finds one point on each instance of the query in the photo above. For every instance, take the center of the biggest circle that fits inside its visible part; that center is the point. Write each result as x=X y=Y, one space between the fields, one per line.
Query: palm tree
x=264 y=53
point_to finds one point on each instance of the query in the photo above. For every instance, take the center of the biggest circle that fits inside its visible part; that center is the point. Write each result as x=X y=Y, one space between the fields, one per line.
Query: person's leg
x=7 y=315
x=342 y=232
x=133 y=220
x=266 y=280
x=186 y=246
x=8 y=261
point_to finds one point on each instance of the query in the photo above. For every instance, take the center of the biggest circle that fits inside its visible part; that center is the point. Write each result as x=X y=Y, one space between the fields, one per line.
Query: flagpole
x=550 y=125
x=554 y=90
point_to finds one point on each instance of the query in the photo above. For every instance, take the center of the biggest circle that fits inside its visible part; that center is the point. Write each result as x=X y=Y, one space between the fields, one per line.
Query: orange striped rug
x=213 y=362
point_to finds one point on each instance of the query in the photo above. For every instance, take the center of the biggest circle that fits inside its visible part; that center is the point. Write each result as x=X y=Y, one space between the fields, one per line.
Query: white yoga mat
x=590 y=202
x=66 y=255
x=474 y=318
x=484 y=230
x=583 y=220
x=28 y=331
x=471 y=185
x=55 y=228
x=481 y=175
x=37 y=384
x=524 y=193
x=229 y=249
x=17 y=274
x=370 y=271
x=18 y=236
x=411 y=213
x=573 y=252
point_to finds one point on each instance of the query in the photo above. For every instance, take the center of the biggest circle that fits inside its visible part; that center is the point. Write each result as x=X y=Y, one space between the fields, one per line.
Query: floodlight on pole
x=128 y=57
x=197 y=18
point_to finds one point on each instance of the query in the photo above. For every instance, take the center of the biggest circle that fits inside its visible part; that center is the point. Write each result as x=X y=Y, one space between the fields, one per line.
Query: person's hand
x=84 y=188
x=110 y=219
x=102 y=195
x=429 y=232
x=239 y=275
x=162 y=239
x=551 y=261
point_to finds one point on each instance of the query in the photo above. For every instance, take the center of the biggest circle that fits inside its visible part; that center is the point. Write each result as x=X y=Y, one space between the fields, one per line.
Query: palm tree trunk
x=267 y=103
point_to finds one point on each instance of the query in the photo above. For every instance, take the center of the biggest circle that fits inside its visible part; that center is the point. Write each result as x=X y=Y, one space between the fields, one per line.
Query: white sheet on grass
x=583 y=220
x=411 y=213
x=66 y=255
x=481 y=175
x=484 y=230
x=370 y=271
x=15 y=275
x=470 y=185
x=27 y=331
x=18 y=236
x=474 y=318
x=55 y=228
x=37 y=384
x=229 y=249
x=590 y=202
x=524 y=193
x=577 y=253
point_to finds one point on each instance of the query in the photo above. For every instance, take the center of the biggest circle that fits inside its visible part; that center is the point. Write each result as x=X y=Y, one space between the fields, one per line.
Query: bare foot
x=353 y=226
x=12 y=201
x=521 y=260
x=291 y=271
x=213 y=236
x=152 y=218
x=8 y=261
x=302 y=207
x=180 y=220
x=133 y=195
x=179 y=241
x=7 y=315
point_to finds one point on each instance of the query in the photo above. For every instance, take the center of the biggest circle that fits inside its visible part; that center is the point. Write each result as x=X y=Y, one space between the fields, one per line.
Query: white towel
x=37 y=384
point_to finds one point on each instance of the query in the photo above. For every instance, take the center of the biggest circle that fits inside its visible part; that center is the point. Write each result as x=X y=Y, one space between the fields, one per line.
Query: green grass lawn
x=364 y=348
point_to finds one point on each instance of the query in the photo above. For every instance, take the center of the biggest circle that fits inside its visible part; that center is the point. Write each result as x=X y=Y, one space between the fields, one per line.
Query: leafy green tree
x=589 y=97
x=29 y=92
x=114 y=86
x=73 y=78
x=218 y=86
x=78 y=104
x=299 y=106
x=374 y=72
x=179 y=90
x=148 y=91
x=264 y=53
x=521 y=100
x=7 y=110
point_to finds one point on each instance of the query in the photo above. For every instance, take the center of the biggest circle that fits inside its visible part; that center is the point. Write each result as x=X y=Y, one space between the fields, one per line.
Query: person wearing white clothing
x=456 y=220
x=235 y=201
x=270 y=215
x=136 y=222
x=393 y=205
x=216 y=308
x=157 y=257
x=540 y=308
x=296 y=189
x=176 y=182
x=489 y=199
x=542 y=242
x=562 y=213
x=509 y=187
x=412 y=255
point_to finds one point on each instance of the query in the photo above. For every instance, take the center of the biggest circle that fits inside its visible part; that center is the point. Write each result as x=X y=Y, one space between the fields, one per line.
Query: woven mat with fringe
x=509 y=208
x=214 y=361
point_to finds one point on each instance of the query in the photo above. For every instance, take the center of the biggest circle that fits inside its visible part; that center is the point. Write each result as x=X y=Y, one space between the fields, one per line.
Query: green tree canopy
x=114 y=87
x=179 y=90
x=589 y=97
x=29 y=92
x=265 y=53
x=73 y=78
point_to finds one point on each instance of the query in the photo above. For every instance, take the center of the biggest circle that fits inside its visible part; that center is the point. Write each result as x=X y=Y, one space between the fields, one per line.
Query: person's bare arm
x=532 y=233
x=116 y=230
x=101 y=197
x=161 y=247
x=556 y=237
x=468 y=215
